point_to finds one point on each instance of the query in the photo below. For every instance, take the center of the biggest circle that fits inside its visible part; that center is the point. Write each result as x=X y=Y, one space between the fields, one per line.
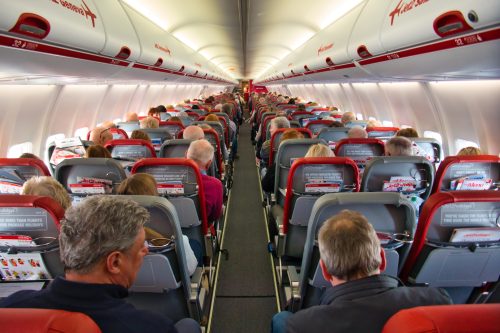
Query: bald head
x=193 y=133
x=348 y=117
x=131 y=116
x=201 y=152
x=357 y=132
x=101 y=135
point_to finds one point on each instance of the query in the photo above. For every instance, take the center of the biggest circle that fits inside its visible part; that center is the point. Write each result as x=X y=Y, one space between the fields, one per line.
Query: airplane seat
x=52 y=147
x=15 y=171
x=457 y=243
x=128 y=126
x=193 y=115
x=217 y=165
x=430 y=148
x=199 y=112
x=360 y=150
x=315 y=126
x=361 y=123
x=179 y=180
x=117 y=133
x=477 y=318
x=377 y=132
x=276 y=137
x=88 y=176
x=331 y=135
x=299 y=115
x=158 y=136
x=29 y=232
x=175 y=148
x=410 y=175
x=46 y=321
x=309 y=179
x=172 y=127
x=217 y=126
x=127 y=151
x=225 y=127
x=295 y=124
x=264 y=127
x=393 y=218
x=163 y=284
x=481 y=172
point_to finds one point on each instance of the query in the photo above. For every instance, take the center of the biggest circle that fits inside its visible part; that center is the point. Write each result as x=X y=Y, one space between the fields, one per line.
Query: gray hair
x=281 y=122
x=349 y=246
x=399 y=146
x=96 y=227
x=200 y=151
x=227 y=108
x=357 y=132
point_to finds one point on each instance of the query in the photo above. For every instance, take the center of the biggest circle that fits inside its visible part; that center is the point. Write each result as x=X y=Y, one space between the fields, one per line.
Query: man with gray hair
x=357 y=132
x=347 y=117
x=361 y=299
x=193 y=132
x=202 y=153
x=276 y=123
x=399 y=146
x=102 y=248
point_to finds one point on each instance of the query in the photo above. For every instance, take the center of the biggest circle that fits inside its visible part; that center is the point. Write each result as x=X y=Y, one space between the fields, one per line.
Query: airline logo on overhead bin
x=197 y=64
x=405 y=7
x=163 y=48
x=83 y=10
x=324 y=48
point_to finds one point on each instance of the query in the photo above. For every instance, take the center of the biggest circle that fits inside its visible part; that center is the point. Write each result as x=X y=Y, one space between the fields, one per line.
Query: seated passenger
x=29 y=155
x=47 y=187
x=347 y=117
x=102 y=248
x=202 y=153
x=319 y=150
x=407 y=132
x=145 y=184
x=131 y=116
x=101 y=135
x=470 y=151
x=149 y=122
x=193 y=133
x=264 y=149
x=97 y=151
x=211 y=117
x=399 y=146
x=154 y=112
x=361 y=299
x=357 y=132
x=373 y=123
x=175 y=119
x=138 y=134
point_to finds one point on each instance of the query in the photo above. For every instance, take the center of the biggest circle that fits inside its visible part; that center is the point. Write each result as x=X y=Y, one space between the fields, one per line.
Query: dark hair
x=29 y=155
x=97 y=151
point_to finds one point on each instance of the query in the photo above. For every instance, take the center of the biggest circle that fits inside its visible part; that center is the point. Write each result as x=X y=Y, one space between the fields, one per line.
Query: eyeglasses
x=100 y=135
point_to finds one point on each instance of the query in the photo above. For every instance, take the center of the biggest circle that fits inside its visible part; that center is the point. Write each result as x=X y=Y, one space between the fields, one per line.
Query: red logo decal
x=197 y=64
x=402 y=8
x=163 y=48
x=290 y=64
x=83 y=10
x=324 y=48
x=89 y=13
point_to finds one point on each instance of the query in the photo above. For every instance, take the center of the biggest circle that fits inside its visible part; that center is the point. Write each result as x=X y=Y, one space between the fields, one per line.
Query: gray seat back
x=331 y=135
x=429 y=148
x=158 y=136
x=175 y=148
x=129 y=127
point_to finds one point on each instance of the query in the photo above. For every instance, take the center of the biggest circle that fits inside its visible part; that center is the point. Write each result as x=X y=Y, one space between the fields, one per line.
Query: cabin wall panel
x=115 y=103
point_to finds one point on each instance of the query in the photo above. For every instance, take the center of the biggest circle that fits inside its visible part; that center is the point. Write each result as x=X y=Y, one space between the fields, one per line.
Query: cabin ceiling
x=243 y=37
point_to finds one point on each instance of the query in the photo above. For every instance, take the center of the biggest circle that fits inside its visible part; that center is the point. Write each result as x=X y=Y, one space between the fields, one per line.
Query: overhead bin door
x=73 y=23
x=412 y=22
x=157 y=46
x=121 y=39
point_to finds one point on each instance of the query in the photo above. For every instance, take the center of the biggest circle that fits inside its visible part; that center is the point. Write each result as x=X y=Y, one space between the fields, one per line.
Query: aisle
x=245 y=294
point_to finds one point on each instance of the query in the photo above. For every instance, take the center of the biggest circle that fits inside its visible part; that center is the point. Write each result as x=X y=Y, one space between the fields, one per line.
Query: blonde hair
x=291 y=134
x=138 y=134
x=47 y=187
x=319 y=150
x=149 y=122
x=138 y=184
x=407 y=132
x=211 y=117
x=470 y=151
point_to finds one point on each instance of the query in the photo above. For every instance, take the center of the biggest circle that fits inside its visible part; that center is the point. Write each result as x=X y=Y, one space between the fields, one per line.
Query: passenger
x=276 y=123
x=149 y=122
x=348 y=117
x=47 y=187
x=175 y=120
x=399 y=146
x=470 y=151
x=29 y=155
x=145 y=184
x=357 y=132
x=373 y=123
x=267 y=181
x=102 y=249
x=101 y=135
x=138 y=134
x=361 y=299
x=301 y=107
x=211 y=117
x=131 y=117
x=407 y=132
x=319 y=150
x=233 y=129
x=97 y=151
x=193 y=133
x=154 y=112
x=202 y=153
x=336 y=124
x=108 y=124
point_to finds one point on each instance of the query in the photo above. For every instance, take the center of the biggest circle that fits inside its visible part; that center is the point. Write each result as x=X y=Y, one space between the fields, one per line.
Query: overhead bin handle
x=124 y=53
x=158 y=62
x=450 y=23
x=363 y=52
x=181 y=69
x=31 y=25
x=329 y=62
x=306 y=68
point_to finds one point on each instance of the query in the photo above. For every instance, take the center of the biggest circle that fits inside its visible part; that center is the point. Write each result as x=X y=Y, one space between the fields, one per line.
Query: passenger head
x=278 y=122
x=108 y=124
x=47 y=187
x=138 y=184
x=101 y=135
x=398 y=146
x=175 y=120
x=470 y=151
x=138 y=134
x=29 y=155
x=103 y=237
x=349 y=247
x=201 y=152
x=348 y=117
x=211 y=117
x=301 y=107
x=357 y=132
x=291 y=134
x=373 y=123
x=153 y=112
x=161 y=108
x=407 y=132
x=149 y=122
x=227 y=108
x=131 y=116
x=193 y=133
x=97 y=151
x=319 y=150
x=336 y=124
x=204 y=126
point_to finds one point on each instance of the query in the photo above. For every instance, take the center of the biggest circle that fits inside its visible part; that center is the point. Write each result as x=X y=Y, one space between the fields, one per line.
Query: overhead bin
x=412 y=22
x=78 y=25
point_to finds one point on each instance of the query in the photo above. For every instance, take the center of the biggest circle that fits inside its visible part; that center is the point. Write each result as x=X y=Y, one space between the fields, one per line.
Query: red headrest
x=32 y=162
x=46 y=203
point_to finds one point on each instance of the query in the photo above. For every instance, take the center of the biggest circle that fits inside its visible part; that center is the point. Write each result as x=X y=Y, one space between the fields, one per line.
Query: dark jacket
x=104 y=303
x=362 y=305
